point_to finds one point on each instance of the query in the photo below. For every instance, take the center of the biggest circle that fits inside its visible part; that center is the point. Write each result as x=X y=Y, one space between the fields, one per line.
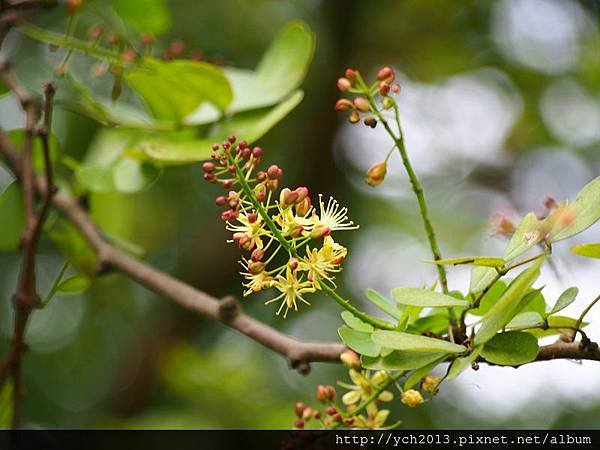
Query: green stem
x=583 y=314
x=414 y=181
x=55 y=284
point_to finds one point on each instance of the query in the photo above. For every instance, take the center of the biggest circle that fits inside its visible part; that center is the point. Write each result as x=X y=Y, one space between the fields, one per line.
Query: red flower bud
x=321 y=393
x=256 y=267
x=210 y=177
x=243 y=144
x=299 y=408
x=299 y=423
x=95 y=32
x=395 y=88
x=331 y=411
x=349 y=421
x=287 y=197
x=303 y=207
x=258 y=254
x=227 y=184
x=384 y=88
x=272 y=185
x=257 y=152
x=113 y=38
x=74 y=6
x=146 y=39
x=317 y=415
x=261 y=176
x=220 y=200
x=215 y=147
x=302 y=192
x=307 y=413
x=376 y=174
x=386 y=74
x=330 y=392
x=344 y=84
x=231 y=138
x=226 y=145
x=362 y=104
x=293 y=264
x=338 y=418
x=350 y=74
x=343 y=104
x=252 y=217
x=177 y=47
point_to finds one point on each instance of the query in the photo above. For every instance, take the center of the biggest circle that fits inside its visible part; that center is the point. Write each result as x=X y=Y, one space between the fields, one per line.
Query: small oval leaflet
x=414 y=343
x=425 y=298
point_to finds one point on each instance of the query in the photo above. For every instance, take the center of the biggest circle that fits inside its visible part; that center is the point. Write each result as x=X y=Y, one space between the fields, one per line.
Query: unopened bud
x=384 y=88
x=146 y=39
x=386 y=74
x=296 y=231
x=354 y=117
x=272 y=185
x=210 y=177
x=362 y=104
x=299 y=423
x=256 y=267
x=344 y=84
x=307 y=413
x=257 y=152
x=411 y=398
x=343 y=104
x=258 y=254
x=350 y=74
x=177 y=47
x=95 y=32
x=299 y=408
x=322 y=393
x=388 y=103
x=293 y=264
x=208 y=166
x=396 y=88
x=380 y=377
x=430 y=383
x=73 y=6
x=386 y=396
x=302 y=192
x=350 y=359
x=274 y=172
x=221 y=200
x=287 y=197
x=303 y=207
x=376 y=174
x=113 y=38
x=331 y=411
x=252 y=217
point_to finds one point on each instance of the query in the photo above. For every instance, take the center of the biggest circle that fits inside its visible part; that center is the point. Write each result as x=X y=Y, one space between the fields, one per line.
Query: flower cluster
x=360 y=406
x=367 y=103
x=267 y=223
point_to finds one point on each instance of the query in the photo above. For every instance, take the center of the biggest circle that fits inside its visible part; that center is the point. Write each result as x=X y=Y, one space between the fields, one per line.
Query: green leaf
x=355 y=323
x=529 y=233
x=481 y=277
x=587 y=250
x=486 y=261
x=571 y=219
x=12 y=217
x=74 y=284
x=174 y=89
x=359 y=341
x=435 y=323
x=460 y=364
x=73 y=246
x=512 y=348
x=96 y=178
x=250 y=126
x=502 y=312
x=565 y=299
x=280 y=71
x=533 y=301
x=425 y=298
x=414 y=343
x=557 y=321
x=419 y=373
x=144 y=16
x=382 y=303
x=529 y=319
x=398 y=360
x=490 y=298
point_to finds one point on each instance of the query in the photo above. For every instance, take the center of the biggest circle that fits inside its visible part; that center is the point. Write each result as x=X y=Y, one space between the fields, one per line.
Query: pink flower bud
x=95 y=32
x=210 y=177
x=344 y=84
x=252 y=217
x=386 y=74
x=395 y=88
x=287 y=197
x=302 y=192
x=303 y=207
x=261 y=176
x=177 y=47
x=362 y=104
x=376 y=174
x=243 y=144
x=208 y=166
x=256 y=267
x=274 y=172
x=299 y=423
x=146 y=39
x=231 y=138
x=293 y=264
x=331 y=411
x=307 y=413
x=257 y=152
x=220 y=200
x=343 y=104
x=74 y=6
x=215 y=147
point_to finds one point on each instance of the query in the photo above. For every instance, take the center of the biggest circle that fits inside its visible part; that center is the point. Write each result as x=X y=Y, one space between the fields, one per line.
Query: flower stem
x=414 y=181
x=392 y=379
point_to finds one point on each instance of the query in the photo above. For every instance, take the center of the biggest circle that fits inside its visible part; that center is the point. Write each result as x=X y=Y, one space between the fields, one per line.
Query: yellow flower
x=320 y=263
x=291 y=289
x=257 y=282
x=292 y=224
x=411 y=398
x=251 y=226
x=332 y=217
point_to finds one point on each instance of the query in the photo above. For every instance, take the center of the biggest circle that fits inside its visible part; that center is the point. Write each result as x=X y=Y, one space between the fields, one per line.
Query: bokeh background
x=500 y=104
